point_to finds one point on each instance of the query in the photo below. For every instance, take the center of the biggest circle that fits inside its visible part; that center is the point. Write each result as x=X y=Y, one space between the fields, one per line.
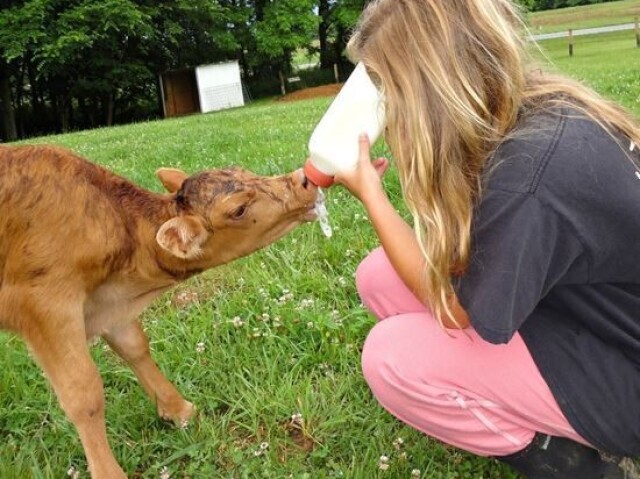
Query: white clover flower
x=261 y=449
x=415 y=473
x=73 y=473
x=305 y=303
x=398 y=443
x=297 y=419
x=164 y=473
x=341 y=281
x=286 y=296
x=200 y=347
x=310 y=325
x=237 y=322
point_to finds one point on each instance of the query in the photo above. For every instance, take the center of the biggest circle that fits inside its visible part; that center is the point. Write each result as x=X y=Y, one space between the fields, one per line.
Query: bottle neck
x=316 y=176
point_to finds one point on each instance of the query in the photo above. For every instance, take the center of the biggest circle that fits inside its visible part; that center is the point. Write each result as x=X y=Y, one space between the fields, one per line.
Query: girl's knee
x=374 y=356
x=390 y=351
x=411 y=349
x=381 y=290
x=369 y=272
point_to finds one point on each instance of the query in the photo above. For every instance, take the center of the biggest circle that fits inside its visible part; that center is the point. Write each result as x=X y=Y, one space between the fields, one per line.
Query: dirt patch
x=315 y=92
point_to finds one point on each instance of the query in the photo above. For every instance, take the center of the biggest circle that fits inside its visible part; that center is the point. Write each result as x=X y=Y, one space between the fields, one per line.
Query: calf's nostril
x=305 y=181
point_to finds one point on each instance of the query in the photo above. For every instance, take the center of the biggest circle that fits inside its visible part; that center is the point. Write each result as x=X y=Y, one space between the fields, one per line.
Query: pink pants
x=484 y=398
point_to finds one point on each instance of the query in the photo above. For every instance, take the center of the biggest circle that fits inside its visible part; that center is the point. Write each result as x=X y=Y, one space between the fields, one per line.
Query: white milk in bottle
x=334 y=146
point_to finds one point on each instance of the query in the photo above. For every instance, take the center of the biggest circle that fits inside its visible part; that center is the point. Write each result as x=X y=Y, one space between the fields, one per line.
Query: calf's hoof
x=180 y=413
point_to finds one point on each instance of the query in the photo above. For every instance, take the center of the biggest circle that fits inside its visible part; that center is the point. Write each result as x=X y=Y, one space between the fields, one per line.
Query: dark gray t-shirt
x=556 y=257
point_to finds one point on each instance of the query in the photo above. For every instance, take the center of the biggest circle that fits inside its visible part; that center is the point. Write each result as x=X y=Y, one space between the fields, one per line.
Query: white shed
x=203 y=89
x=219 y=86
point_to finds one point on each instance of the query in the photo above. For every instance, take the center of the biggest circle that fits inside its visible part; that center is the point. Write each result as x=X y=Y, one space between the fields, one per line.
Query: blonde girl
x=510 y=309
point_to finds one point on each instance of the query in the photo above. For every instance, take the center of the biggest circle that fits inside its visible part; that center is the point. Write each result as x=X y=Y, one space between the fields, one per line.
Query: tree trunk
x=343 y=63
x=7 y=113
x=323 y=29
x=37 y=100
x=108 y=109
x=63 y=111
x=259 y=9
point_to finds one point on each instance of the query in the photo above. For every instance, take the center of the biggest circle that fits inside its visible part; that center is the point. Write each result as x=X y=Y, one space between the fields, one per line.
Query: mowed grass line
x=255 y=342
x=587 y=16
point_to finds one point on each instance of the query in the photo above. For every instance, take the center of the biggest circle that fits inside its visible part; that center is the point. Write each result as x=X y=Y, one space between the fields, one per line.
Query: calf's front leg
x=131 y=344
x=59 y=346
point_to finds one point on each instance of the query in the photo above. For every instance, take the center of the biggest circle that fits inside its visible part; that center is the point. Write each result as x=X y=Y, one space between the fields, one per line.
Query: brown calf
x=83 y=252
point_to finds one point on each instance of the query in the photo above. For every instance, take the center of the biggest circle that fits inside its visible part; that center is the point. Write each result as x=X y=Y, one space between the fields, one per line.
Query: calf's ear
x=171 y=178
x=182 y=236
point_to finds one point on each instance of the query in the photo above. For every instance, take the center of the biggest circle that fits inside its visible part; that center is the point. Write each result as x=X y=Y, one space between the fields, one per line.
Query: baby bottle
x=334 y=146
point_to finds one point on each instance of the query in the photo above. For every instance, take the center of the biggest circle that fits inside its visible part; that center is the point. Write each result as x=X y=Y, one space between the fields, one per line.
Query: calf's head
x=226 y=214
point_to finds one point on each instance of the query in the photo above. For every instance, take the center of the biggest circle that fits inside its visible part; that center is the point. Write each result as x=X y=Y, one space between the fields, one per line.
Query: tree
x=78 y=63
x=285 y=26
x=19 y=28
x=337 y=18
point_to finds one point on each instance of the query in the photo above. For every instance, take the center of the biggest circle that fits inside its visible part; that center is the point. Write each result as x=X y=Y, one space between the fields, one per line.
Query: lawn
x=265 y=338
x=595 y=15
x=609 y=63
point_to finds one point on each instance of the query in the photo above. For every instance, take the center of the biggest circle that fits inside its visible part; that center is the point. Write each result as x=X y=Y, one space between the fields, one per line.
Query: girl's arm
x=396 y=236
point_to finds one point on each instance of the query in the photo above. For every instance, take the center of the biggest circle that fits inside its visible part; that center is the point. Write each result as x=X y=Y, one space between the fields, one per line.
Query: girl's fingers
x=365 y=147
x=381 y=165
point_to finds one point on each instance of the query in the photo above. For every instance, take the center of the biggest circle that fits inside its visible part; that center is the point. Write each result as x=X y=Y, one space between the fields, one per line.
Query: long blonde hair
x=456 y=75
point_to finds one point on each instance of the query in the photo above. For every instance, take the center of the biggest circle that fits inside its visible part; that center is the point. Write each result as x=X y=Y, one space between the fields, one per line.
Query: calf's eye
x=239 y=212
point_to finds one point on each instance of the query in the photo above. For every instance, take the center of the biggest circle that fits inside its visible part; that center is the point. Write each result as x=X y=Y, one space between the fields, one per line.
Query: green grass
x=608 y=63
x=588 y=16
x=299 y=355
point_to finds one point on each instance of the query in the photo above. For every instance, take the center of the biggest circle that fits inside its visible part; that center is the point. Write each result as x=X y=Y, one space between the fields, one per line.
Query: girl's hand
x=364 y=182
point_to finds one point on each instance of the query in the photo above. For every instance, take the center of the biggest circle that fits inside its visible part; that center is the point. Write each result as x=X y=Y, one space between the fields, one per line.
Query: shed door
x=181 y=93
